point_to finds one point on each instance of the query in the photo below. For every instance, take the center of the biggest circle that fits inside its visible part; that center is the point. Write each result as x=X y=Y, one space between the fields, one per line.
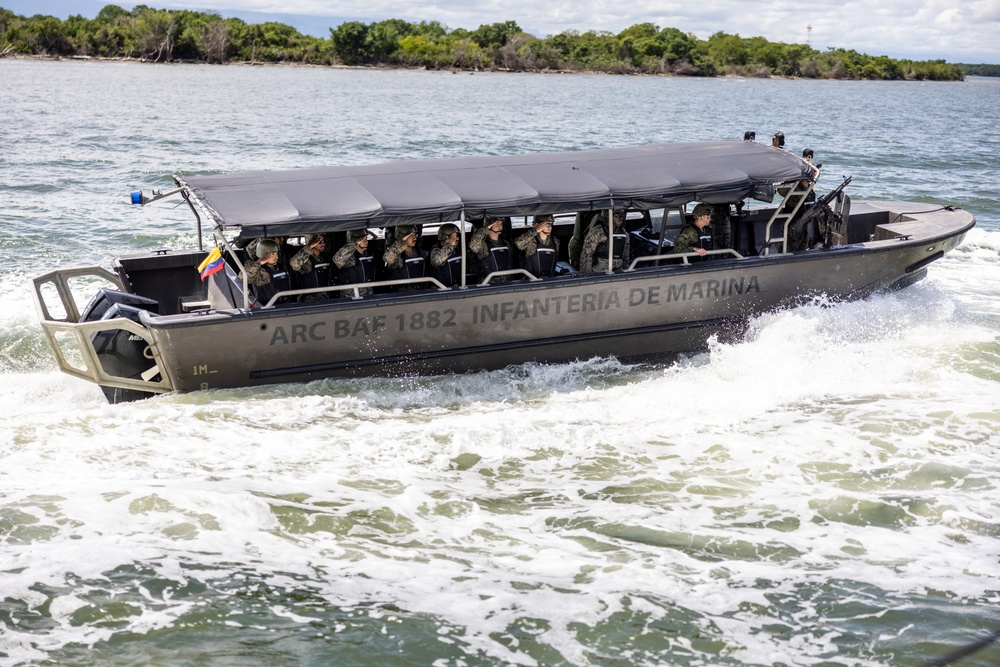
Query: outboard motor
x=121 y=353
x=106 y=298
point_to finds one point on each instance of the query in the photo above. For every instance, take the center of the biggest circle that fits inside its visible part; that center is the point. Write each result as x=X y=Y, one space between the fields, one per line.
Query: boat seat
x=225 y=290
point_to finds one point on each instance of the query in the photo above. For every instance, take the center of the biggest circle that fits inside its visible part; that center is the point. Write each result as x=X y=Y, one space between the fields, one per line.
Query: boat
x=156 y=323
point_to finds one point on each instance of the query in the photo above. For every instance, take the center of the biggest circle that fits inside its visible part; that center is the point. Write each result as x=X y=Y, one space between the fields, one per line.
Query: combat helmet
x=446 y=230
x=265 y=246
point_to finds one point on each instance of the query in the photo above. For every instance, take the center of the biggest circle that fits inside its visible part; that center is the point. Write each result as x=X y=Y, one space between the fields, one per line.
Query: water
x=823 y=492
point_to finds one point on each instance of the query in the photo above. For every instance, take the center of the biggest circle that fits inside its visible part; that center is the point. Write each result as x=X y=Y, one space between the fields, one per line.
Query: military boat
x=193 y=319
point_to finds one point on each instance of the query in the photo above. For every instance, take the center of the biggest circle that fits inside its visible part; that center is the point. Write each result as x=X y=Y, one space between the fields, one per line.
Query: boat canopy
x=318 y=199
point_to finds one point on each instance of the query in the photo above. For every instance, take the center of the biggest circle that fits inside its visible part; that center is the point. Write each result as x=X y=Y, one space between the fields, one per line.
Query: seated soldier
x=447 y=263
x=491 y=249
x=354 y=263
x=311 y=265
x=696 y=236
x=594 y=254
x=403 y=259
x=541 y=248
x=265 y=274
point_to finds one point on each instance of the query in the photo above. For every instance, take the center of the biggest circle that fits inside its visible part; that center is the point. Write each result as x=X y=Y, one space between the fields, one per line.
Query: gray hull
x=643 y=313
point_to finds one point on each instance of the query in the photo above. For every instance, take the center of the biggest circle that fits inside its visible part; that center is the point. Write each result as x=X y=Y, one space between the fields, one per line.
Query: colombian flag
x=212 y=264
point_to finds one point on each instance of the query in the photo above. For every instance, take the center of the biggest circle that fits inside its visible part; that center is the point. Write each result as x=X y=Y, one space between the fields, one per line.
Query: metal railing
x=509 y=272
x=684 y=256
x=356 y=288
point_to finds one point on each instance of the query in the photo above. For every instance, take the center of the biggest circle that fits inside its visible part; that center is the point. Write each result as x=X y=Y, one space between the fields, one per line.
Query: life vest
x=321 y=269
x=318 y=277
x=543 y=261
x=363 y=270
x=498 y=259
x=619 y=238
x=280 y=281
x=413 y=267
x=416 y=267
x=450 y=273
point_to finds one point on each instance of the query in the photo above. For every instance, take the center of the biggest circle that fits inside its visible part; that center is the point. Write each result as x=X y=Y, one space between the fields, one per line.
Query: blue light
x=137 y=198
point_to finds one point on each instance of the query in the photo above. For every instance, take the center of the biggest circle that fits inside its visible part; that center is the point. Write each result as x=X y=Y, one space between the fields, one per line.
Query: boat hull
x=647 y=312
x=636 y=315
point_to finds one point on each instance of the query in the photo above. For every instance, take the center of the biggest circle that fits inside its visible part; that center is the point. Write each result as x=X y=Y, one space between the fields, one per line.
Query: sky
x=959 y=32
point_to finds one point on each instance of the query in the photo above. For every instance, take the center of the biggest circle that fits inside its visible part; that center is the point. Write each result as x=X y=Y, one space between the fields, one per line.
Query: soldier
x=797 y=232
x=354 y=262
x=312 y=266
x=491 y=249
x=696 y=236
x=447 y=264
x=594 y=254
x=265 y=274
x=722 y=229
x=541 y=248
x=404 y=259
x=285 y=250
x=805 y=234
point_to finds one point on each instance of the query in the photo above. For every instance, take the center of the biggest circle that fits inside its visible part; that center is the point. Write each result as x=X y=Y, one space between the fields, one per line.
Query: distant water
x=824 y=492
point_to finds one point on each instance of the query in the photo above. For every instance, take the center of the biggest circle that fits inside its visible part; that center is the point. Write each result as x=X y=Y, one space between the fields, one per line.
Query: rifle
x=822 y=206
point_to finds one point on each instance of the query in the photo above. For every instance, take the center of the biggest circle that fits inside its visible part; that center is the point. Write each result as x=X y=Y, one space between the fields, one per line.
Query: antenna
x=809 y=32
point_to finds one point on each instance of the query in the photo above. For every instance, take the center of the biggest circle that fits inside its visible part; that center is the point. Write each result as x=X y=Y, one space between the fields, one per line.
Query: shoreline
x=453 y=70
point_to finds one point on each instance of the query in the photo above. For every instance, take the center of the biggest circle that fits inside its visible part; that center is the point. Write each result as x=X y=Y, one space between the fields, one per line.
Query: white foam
x=846 y=443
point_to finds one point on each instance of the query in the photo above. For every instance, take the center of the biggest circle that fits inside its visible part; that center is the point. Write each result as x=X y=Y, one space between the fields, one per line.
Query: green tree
x=727 y=51
x=154 y=31
x=676 y=45
x=383 y=38
x=495 y=34
x=431 y=29
x=162 y=35
x=350 y=43
x=213 y=41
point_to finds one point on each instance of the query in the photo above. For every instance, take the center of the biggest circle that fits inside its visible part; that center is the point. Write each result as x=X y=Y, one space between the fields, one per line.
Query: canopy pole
x=611 y=240
x=187 y=200
x=461 y=228
x=663 y=231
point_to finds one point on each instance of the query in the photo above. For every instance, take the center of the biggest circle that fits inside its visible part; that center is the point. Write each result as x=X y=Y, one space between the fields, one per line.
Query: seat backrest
x=225 y=289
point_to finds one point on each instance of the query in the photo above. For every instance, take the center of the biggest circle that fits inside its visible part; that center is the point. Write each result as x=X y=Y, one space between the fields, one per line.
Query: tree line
x=158 y=35
x=980 y=70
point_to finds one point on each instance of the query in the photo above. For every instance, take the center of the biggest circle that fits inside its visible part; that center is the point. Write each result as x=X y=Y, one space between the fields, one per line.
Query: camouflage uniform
x=796 y=237
x=722 y=234
x=266 y=280
x=346 y=259
x=251 y=248
x=256 y=274
x=393 y=256
x=798 y=232
x=597 y=235
x=528 y=242
x=303 y=263
x=480 y=245
x=688 y=239
x=300 y=261
x=441 y=253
